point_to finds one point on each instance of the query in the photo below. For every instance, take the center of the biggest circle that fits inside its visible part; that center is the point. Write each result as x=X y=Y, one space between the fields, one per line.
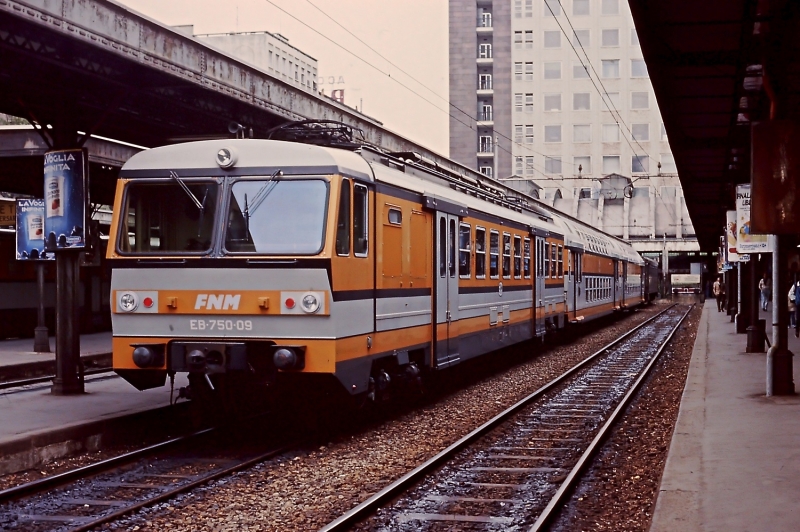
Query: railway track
x=86 y=497
x=517 y=470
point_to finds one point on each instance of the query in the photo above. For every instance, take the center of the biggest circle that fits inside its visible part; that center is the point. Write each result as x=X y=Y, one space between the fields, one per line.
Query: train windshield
x=276 y=216
x=170 y=217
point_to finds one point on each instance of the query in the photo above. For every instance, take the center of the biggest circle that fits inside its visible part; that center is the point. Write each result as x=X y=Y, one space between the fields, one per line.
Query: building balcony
x=485 y=123
x=485 y=154
x=485 y=92
x=484 y=30
x=484 y=61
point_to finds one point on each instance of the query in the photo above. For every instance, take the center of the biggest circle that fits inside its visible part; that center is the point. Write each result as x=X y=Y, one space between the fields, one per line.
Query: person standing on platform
x=765 y=288
x=792 y=307
x=719 y=294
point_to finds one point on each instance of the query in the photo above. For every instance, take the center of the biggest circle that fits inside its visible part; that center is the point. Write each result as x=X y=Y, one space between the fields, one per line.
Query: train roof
x=408 y=171
x=199 y=159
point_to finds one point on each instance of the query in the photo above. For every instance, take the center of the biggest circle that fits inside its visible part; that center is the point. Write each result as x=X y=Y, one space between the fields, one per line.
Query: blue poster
x=30 y=230
x=65 y=198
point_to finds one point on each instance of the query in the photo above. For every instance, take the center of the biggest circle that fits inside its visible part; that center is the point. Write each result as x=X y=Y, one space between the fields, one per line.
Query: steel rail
x=37 y=486
x=83 y=527
x=561 y=496
x=366 y=508
x=39 y=380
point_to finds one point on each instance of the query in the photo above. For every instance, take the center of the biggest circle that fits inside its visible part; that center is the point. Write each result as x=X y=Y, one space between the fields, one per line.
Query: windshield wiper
x=262 y=193
x=174 y=175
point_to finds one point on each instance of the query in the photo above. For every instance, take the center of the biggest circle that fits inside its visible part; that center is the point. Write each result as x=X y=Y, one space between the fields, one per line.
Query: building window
x=610 y=68
x=581 y=38
x=610 y=38
x=552 y=39
x=518 y=102
x=486 y=170
x=663 y=132
x=485 y=144
x=552 y=8
x=640 y=100
x=517 y=8
x=610 y=133
x=579 y=71
x=582 y=133
x=640 y=164
x=582 y=164
x=528 y=102
x=486 y=20
x=486 y=112
x=518 y=166
x=485 y=51
x=638 y=68
x=552 y=165
x=634 y=37
x=581 y=101
x=640 y=132
x=668 y=164
x=529 y=134
x=552 y=102
x=552 y=70
x=529 y=39
x=518 y=134
x=610 y=7
x=528 y=164
x=613 y=100
x=480 y=253
x=518 y=71
x=485 y=82
x=518 y=40
x=464 y=234
x=580 y=7
x=552 y=133
x=528 y=71
x=610 y=164
x=494 y=254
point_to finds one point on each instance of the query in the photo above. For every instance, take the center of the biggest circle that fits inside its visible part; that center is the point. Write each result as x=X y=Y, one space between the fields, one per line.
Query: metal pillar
x=755 y=339
x=742 y=318
x=779 y=358
x=41 y=336
x=68 y=381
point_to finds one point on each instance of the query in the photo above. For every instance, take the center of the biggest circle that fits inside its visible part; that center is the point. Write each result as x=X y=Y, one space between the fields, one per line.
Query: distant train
x=280 y=260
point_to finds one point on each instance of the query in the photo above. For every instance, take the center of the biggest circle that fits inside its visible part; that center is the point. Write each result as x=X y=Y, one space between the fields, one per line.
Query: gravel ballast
x=311 y=487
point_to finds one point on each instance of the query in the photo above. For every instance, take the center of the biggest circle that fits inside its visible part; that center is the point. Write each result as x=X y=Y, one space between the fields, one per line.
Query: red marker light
x=289 y=302
x=148 y=302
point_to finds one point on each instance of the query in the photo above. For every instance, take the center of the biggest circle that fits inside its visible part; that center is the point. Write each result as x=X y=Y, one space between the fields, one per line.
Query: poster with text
x=747 y=242
x=65 y=198
x=30 y=230
x=730 y=236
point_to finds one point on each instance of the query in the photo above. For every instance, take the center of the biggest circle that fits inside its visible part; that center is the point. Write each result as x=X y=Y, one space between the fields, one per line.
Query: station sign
x=30 y=230
x=66 y=197
x=730 y=237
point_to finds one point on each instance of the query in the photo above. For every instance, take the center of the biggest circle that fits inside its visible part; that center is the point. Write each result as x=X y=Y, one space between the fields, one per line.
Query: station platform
x=734 y=460
x=36 y=426
x=18 y=359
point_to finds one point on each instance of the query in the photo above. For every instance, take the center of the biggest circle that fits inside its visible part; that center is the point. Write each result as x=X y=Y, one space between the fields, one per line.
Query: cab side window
x=343 y=220
x=360 y=220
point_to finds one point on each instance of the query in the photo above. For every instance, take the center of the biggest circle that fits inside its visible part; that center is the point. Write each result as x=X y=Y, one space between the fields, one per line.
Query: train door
x=539 y=285
x=446 y=289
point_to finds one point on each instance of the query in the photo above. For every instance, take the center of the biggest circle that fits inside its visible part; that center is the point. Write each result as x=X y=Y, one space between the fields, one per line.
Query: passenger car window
x=343 y=220
x=360 y=220
x=480 y=253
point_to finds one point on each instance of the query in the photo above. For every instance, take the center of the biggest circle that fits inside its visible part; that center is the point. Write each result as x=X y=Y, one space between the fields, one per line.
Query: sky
x=407 y=91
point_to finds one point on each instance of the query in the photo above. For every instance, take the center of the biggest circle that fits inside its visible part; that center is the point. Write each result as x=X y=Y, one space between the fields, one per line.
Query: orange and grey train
x=286 y=260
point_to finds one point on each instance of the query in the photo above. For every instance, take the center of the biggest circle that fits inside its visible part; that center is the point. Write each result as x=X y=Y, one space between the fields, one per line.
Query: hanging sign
x=66 y=196
x=30 y=230
x=746 y=241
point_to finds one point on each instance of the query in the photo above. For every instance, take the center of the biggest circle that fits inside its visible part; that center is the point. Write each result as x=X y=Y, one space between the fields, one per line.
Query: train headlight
x=310 y=303
x=285 y=358
x=128 y=301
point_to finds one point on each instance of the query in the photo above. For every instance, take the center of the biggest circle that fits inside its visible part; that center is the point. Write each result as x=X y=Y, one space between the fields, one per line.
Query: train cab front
x=218 y=274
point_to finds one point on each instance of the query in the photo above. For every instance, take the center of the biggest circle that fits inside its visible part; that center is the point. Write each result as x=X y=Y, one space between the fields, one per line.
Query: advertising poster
x=730 y=236
x=65 y=199
x=30 y=230
x=746 y=242
x=8 y=213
